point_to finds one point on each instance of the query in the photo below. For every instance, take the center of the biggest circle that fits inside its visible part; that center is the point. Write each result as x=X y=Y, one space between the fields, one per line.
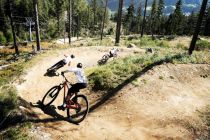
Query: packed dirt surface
x=162 y=103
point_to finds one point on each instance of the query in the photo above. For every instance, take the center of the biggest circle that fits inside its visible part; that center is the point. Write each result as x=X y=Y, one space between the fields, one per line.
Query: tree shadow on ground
x=55 y=117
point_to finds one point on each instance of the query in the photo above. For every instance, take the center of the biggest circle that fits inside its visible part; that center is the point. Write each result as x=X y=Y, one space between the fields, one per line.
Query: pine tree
x=160 y=8
x=144 y=19
x=174 y=23
x=59 y=9
x=190 y=24
x=160 y=17
x=139 y=18
x=153 y=17
x=197 y=28
x=177 y=18
x=129 y=17
x=119 y=20
x=207 y=24
x=2 y=15
x=94 y=7
x=10 y=8
x=104 y=18
x=35 y=3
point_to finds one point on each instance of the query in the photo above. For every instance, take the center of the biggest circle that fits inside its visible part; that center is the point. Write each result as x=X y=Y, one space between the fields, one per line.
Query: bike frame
x=66 y=85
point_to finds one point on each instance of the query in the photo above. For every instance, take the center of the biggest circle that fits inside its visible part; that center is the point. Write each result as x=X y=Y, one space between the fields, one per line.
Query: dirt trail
x=161 y=104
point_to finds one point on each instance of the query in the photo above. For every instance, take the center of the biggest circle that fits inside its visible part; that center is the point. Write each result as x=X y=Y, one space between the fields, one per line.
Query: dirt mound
x=161 y=104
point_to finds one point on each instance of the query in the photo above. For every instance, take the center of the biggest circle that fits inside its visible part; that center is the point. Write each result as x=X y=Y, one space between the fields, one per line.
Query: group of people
x=78 y=71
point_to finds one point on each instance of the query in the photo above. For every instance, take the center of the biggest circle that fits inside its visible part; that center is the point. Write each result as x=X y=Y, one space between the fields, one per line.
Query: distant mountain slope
x=188 y=5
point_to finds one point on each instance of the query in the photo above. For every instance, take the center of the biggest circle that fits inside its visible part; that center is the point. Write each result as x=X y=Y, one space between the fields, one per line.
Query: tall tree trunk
x=94 y=13
x=58 y=24
x=198 y=25
x=78 y=25
x=88 y=19
x=70 y=20
x=37 y=25
x=144 y=20
x=13 y=28
x=102 y=29
x=119 y=20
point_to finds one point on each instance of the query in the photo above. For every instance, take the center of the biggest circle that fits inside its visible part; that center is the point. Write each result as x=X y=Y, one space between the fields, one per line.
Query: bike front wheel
x=50 y=96
x=79 y=110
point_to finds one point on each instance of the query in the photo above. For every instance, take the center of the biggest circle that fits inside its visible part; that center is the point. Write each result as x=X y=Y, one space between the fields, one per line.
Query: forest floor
x=163 y=103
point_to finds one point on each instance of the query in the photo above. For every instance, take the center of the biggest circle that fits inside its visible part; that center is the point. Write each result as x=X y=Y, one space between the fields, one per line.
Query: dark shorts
x=76 y=87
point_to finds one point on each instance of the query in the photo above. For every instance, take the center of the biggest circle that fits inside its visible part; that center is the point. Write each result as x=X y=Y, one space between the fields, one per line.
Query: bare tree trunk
x=198 y=25
x=78 y=25
x=64 y=32
x=37 y=25
x=144 y=20
x=88 y=19
x=70 y=20
x=94 y=13
x=13 y=28
x=119 y=20
x=102 y=29
x=58 y=24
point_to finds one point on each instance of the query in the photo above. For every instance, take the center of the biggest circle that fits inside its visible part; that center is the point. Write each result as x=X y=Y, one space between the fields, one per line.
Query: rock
x=131 y=45
x=1 y=47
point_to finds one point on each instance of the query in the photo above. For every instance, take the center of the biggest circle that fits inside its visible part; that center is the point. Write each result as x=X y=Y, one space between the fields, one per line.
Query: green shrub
x=202 y=45
x=8 y=100
x=163 y=44
x=9 y=36
x=114 y=73
x=17 y=133
x=181 y=46
x=8 y=96
x=2 y=39
x=146 y=41
x=100 y=79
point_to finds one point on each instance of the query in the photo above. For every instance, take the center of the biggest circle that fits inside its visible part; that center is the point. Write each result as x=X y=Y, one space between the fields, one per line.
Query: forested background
x=87 y=17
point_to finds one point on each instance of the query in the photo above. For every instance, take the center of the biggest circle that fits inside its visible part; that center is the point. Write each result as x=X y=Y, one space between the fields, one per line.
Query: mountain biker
x=61 y=63
x=113 y=52
x=82 y=83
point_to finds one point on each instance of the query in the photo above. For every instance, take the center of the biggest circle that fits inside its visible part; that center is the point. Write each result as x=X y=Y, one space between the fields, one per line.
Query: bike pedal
x=61 y=108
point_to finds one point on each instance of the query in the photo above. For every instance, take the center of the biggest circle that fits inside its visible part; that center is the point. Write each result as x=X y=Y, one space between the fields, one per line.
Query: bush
x=163 y=43
x=9 y=36
x=180 y=46
x=202 y=45
x=146 y=41
x=17 y=133
x=112 y=74
x=8 y=100
x=2 y=39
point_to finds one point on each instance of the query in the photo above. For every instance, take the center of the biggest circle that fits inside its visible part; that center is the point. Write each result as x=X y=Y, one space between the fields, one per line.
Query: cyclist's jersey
x=113 y=51
x=80 y=74
x=67 y=59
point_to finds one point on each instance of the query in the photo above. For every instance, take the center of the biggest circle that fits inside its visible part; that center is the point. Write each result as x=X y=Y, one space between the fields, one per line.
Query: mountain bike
x=106 y=57
x=77 y=107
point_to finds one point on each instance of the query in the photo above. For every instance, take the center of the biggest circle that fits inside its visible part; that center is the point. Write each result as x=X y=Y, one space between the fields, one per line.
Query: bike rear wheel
x=51 y=95
x=105 y=57
x=80 y=110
